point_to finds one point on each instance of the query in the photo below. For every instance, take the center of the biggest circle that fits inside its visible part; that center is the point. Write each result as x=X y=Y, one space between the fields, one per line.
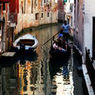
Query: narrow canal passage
x=34 y=73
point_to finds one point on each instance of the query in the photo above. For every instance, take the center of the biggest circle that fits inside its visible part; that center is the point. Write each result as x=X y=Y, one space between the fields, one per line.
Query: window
x=41 y=2
x=3 y=6
x=44 y=1
x=0 y=29
x=71 y=7
x=78 y=10
x=41 y=15
x=35 y=2
x=36 y=16
x=0 y=10
x=93 y=50
x=25 y=88
x=48 y=14
x=31 y=6
x=24 y=5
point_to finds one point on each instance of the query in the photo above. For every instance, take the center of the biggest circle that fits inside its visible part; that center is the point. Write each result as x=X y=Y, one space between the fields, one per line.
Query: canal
x=35 y=74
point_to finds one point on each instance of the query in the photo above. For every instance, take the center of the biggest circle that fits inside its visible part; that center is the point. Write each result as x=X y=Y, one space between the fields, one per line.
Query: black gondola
x=59 y=54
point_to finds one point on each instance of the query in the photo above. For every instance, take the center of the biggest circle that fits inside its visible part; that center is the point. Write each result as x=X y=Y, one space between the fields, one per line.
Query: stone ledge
x=87 y=80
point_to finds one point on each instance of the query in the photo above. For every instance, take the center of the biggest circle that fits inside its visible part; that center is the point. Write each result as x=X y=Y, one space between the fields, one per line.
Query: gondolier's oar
x=50 y=38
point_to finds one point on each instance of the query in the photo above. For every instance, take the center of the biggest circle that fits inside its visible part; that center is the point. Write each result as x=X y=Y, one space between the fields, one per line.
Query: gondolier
x=58 y=48
x=66 y=30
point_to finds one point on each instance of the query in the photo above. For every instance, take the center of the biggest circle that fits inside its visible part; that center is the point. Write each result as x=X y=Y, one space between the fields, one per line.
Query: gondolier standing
x=66 y=30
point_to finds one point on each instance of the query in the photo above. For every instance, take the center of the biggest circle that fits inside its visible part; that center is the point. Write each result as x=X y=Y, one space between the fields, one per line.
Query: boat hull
x=26 y=42
x=57 y=54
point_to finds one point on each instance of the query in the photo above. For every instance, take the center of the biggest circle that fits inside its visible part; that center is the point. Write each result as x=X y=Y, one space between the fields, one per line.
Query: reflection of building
x=29 y=79
x=33 y=78
x=8 y=80
x=36 y=12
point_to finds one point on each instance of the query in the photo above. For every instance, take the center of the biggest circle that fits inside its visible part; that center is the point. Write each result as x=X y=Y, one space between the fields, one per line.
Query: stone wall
x=79 y=25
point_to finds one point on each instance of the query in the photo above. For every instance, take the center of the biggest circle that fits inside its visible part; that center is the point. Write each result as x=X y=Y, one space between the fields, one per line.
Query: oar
x=50 y=39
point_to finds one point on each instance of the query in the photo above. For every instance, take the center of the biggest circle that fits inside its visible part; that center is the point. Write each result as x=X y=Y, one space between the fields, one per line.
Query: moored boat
x=26 y=42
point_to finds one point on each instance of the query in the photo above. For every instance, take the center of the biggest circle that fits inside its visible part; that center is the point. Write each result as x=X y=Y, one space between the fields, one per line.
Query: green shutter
x=65 y=1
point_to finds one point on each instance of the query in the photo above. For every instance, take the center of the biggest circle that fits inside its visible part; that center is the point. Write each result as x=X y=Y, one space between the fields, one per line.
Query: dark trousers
x=66 y=35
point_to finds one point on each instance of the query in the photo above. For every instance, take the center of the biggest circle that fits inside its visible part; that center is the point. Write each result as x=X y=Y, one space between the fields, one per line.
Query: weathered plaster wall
x=88 y=28
x=79 y=24
x=60 y=10
x=27 y=19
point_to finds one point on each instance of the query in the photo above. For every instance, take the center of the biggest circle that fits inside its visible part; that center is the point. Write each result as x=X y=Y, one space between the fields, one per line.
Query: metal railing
x=90 y=68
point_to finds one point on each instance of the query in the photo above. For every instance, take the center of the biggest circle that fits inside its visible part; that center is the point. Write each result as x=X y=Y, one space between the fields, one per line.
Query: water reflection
x=8 y=77
x=32 y=73
x=27 y=77
x=60 y=75
x=23 y=56
x=56 y=64
x=33 y=69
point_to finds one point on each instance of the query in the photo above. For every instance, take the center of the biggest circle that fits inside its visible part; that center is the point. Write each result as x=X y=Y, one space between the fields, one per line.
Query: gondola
x=26 y=42
x=59 y=54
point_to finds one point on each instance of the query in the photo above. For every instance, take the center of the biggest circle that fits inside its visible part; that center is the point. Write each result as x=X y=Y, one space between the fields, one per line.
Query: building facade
x=84 y=26
x=4 y=5
x=79 y=25
x=84 y=39
x=69 y=12
x=89 y=29
x=61 y=14
x=8 y=21
x=36 y=12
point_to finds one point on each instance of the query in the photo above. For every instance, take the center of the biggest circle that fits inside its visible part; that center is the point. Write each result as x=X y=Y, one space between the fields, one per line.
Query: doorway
x=93 y=41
